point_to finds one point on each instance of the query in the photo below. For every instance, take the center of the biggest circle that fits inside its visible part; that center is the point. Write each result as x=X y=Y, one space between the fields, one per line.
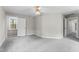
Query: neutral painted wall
x=38 y=25
x=29 y=25
x=46 y=25
x=52 y=26
x=49 y=26
x=2 y=26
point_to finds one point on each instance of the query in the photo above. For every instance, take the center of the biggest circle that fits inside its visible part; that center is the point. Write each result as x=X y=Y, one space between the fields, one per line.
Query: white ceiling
x=29 y=10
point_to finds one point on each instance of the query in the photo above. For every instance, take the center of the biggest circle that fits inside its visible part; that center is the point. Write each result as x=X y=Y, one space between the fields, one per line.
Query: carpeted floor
x=37 y=44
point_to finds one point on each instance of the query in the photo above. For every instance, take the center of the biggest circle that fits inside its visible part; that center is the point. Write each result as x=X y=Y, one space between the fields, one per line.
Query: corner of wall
x=2 y=42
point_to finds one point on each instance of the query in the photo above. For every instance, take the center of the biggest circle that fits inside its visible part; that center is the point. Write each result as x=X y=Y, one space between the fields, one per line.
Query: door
x=21 y=27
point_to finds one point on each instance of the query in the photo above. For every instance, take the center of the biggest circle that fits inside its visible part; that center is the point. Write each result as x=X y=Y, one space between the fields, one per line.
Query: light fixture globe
x=37 y=13
x=37 y=10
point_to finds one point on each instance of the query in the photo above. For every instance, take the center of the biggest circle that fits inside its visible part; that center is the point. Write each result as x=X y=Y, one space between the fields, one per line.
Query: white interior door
x=21 y=27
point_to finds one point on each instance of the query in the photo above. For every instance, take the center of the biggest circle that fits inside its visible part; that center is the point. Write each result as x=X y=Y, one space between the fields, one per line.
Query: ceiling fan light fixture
x=37 y=13
x=37 y=10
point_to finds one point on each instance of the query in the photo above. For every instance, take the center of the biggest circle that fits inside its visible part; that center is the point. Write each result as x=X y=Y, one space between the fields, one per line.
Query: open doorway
x=70 y=26
x=11 y=26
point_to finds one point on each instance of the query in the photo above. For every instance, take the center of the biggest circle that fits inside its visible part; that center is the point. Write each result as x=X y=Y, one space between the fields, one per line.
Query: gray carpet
x=37 y=44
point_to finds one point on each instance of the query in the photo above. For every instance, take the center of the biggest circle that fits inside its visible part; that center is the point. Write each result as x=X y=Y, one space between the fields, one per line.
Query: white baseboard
x=50 y=37
x=42 y=36
x=30 y=34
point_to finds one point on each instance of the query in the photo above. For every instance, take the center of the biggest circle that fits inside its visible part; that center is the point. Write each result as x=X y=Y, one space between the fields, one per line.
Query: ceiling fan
x=37 y=10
